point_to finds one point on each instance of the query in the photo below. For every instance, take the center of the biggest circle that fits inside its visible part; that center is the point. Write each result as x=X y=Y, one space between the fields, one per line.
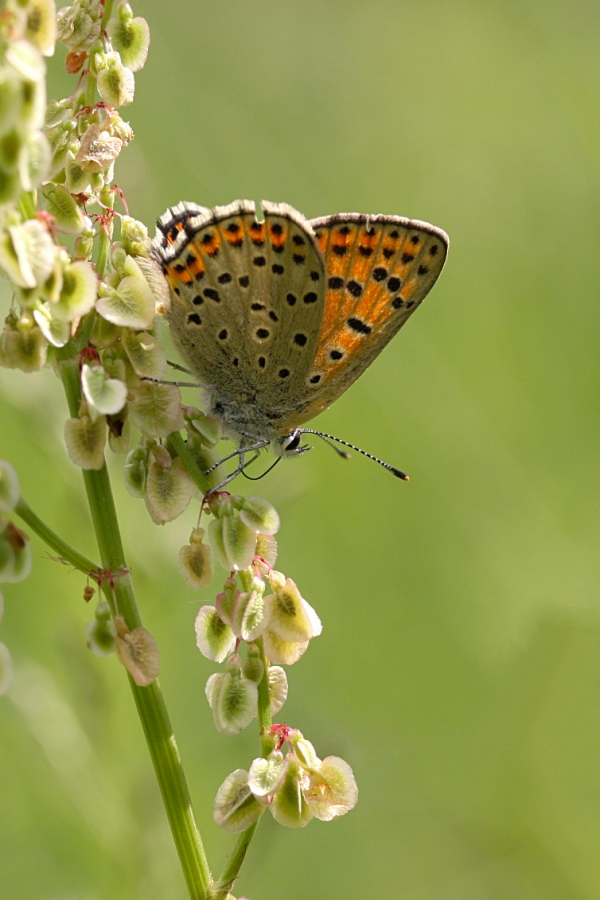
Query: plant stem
x=149 y=700
x=231 y=870
x=54 y=541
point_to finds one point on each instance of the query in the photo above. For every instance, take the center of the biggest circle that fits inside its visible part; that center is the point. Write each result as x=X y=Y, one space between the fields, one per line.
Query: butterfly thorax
x=248 y=424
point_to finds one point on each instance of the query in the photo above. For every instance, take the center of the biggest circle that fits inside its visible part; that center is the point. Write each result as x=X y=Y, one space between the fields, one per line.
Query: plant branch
x=149 y=700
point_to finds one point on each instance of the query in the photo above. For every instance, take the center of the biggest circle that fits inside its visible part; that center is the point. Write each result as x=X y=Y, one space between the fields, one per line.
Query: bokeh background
x=459 y=667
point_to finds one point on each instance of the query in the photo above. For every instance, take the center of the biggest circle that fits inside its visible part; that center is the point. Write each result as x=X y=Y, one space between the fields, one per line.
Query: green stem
x=54 y=541
x=231 y=870
x=149 y=700
x=178 y=447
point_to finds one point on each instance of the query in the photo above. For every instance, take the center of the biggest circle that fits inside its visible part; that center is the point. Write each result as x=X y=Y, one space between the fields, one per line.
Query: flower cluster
x=296 y=786
x=275 y=627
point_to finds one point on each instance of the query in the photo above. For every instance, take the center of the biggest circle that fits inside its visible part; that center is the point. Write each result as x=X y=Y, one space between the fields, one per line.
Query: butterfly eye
x=290 y=443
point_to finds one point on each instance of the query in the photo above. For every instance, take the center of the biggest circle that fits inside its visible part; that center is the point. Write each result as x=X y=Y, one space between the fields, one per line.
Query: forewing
x=378 y=270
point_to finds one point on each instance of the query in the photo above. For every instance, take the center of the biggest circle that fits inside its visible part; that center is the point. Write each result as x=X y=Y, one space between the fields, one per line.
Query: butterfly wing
x=378 y=270
x=247 y=301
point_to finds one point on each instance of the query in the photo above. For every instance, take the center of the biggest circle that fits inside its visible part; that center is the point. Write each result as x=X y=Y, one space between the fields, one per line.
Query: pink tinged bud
x=214 y=638
x=156 y=409
x=291 y=617
x=332 y=790
x=169 y=489
x=196 y=561
x=139 y=653
x=86 y=441
x=9 y=487
x=235 y=808
x=233 y=700
x=266 y=775
x=6 y=669
x=259 y=515
x=289 y=806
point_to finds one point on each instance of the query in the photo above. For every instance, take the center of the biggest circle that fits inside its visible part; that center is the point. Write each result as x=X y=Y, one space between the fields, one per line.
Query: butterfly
x=278 y=316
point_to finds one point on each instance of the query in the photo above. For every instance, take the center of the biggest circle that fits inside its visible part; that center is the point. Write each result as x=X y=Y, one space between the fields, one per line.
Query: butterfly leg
x=242 y=463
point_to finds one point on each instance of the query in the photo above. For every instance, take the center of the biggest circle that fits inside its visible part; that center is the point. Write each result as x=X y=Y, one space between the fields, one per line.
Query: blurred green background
x=459 y=667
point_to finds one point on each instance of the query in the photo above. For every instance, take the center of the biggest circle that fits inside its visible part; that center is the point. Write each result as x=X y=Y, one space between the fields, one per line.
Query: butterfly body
x=277 y=318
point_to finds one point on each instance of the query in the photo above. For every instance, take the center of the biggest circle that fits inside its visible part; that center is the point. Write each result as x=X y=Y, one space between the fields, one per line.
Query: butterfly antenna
x=328 y=438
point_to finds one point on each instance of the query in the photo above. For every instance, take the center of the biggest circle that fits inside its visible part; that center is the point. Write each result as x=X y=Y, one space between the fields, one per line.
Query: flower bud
x=86 y=441
x=233 y=700
x=266 y=775
x=253 y=669
x=289 y=806
x=259 y=515
x=78 y=26
x=135 y=471
x=196 y=562
x=249 y=616
x=331 y=790
x=156 y=409
x=235 y=808
x=105 y=396
x=115 y=82
x=22 y=345
x=61 y=205
x=291 y=617
x=146 y=354
x=214 y=638
x=40 y=27
x=130 y=37
x=27 y=253
x=132 y=302
x=101 y=632
x=278 y=688
x=169 y=489
x=139 y=653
